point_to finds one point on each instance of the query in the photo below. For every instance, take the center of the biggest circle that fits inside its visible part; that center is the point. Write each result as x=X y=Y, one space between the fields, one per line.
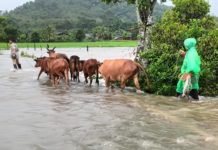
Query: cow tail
x=77 y=69
x=75 y=66
x=97 y=78
x=70 y=67
x=67 y=59
x=139 y=66
x=145 y=73
x=66 y=74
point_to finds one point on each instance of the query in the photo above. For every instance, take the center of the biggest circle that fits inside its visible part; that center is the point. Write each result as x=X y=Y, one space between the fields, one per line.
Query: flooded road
x=36 y=116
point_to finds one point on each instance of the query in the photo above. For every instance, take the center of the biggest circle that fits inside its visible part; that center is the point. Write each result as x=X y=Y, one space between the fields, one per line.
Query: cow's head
x=50 y=51
x=39 y=61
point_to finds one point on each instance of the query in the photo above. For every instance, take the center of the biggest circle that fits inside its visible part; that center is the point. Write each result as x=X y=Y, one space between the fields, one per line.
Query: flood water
x=36 y=116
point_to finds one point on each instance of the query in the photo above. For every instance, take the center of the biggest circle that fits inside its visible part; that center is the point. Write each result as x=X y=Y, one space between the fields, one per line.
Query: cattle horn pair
x=50 y=49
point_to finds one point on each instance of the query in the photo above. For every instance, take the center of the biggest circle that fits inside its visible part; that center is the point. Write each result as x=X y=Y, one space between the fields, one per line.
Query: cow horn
x=47 y=47
x=54 y=48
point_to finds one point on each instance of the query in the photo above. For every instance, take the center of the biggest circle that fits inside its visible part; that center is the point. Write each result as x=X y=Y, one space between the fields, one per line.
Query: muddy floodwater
x=36 y=116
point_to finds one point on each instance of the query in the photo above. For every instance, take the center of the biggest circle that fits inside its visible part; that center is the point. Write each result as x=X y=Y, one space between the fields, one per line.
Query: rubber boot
x=15 y=66
x=19 y=66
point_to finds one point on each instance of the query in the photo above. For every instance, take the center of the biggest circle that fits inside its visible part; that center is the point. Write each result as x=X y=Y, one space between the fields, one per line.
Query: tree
x=80 y=35
x=2 y=26
x=48 y=33
x=167 y=38
x=11 y=33
x=144 y=11
x=35 y=37
x=101 y=33
x=24 y=37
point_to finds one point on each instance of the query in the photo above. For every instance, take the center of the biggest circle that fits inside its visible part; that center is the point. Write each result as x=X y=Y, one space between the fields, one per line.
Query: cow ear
x=53 y=48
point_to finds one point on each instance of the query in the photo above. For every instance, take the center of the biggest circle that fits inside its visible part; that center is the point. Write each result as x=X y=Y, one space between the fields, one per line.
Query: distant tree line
x=9 y=30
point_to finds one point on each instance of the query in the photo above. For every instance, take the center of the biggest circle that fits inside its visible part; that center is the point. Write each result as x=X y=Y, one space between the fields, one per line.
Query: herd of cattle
x=58 y=66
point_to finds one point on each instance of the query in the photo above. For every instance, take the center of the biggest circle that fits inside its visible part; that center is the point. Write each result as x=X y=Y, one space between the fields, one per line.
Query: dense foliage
x=186 y=19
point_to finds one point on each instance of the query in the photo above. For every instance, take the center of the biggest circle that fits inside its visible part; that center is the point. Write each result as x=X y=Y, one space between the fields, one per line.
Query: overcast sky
x=11 y=4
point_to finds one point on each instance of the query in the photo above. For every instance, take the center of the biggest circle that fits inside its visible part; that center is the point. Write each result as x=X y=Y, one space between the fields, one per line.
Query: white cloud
x=11 y=4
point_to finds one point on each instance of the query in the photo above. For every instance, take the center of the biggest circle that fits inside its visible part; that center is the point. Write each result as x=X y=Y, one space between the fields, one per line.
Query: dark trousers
x=193 y=93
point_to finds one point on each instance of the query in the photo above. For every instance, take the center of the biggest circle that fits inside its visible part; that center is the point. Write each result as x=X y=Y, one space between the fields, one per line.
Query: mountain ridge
x=74 y=14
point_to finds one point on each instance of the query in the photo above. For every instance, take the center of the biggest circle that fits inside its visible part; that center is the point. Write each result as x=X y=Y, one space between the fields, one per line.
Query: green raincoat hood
x=190 y=43
x=191 y=63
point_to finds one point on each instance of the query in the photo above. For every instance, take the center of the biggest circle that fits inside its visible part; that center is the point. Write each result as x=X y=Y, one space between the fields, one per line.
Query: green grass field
x=76 y=44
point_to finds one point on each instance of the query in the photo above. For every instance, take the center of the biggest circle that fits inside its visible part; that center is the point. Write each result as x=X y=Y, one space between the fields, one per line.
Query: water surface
x=34 y=115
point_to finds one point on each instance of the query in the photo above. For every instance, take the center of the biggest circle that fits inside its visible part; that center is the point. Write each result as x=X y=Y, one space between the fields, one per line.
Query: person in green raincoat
x=188 y=80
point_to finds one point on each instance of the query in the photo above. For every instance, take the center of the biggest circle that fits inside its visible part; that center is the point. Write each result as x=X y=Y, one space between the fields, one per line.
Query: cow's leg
x=66 y=76
x=71 y=74
x=136 y=82
x=97 y=78
x=58 y=80
x=53 y=80
x=90 y=78
x=78 y=77
x=122 y=83
x=112 y=84
x=107 y=81
x=86 y=76
x=77 y=74
x=49 y=76
x=40 y=73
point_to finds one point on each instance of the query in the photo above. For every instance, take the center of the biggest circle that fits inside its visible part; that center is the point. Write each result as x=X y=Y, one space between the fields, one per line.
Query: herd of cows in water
x=58 y=66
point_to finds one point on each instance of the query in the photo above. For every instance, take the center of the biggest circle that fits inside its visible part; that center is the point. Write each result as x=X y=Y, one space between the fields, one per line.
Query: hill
x=74 y=14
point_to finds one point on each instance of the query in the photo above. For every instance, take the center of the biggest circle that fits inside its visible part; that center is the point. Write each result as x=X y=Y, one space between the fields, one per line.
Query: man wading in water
x=188 y=80
x=14 y=54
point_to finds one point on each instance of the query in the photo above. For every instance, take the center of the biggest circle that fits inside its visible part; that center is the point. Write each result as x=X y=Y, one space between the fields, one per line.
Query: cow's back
x=59 y=64
x=90 y=66
x=59 y=55
x=115 y=68
x=74 y=62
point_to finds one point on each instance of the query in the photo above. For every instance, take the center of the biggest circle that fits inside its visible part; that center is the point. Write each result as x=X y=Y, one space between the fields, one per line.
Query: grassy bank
x=76 y=44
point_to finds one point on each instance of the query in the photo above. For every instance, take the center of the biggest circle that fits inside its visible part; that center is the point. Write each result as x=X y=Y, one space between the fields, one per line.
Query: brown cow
x=74 y=68
x=89 y=69
x=41 y=62
x=58 y=68
x=120 y=70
